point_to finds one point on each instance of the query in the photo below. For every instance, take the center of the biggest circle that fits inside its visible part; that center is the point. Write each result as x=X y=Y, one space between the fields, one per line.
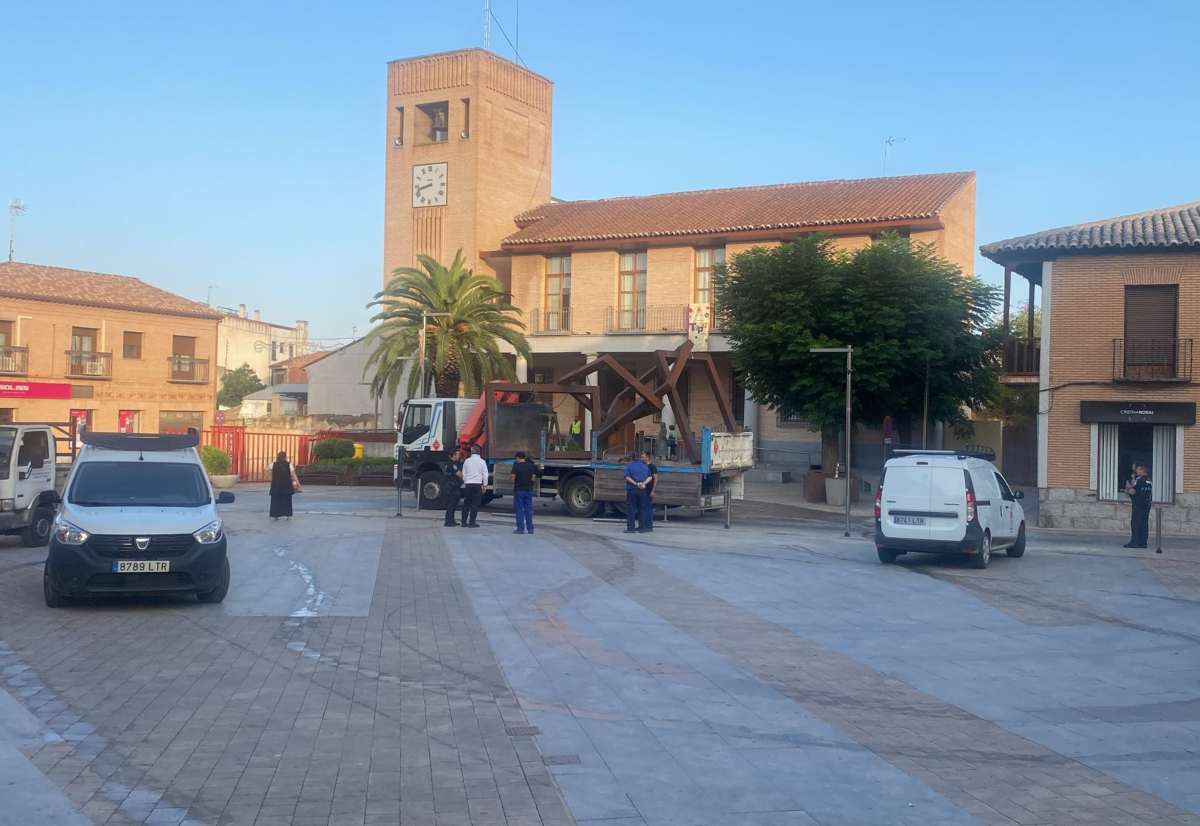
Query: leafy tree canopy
x=237 y=384
x=897 y=303
x=467 y=317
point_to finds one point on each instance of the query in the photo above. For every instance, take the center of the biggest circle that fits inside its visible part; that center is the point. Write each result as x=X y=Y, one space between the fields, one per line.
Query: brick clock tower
x=468 y=148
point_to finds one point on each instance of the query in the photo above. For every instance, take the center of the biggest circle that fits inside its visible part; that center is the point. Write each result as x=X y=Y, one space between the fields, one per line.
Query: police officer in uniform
x=453 y=471
x=1141 y=494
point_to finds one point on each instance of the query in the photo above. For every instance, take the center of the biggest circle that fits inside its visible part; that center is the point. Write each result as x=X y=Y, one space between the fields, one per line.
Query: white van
x=940 y=501
x=138 y=516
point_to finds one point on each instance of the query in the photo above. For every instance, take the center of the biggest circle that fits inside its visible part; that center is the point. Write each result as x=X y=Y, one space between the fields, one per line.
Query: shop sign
x=34 y=390
x=1141 y=412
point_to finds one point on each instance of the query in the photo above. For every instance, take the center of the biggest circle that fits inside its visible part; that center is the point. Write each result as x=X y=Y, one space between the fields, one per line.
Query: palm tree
x=466 y=317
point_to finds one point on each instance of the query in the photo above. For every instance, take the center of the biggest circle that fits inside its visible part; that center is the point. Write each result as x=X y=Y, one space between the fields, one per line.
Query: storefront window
x=1123 y=445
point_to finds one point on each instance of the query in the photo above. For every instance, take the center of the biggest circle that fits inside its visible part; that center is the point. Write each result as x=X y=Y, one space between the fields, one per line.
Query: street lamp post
x=424 y=324
x=849 y=351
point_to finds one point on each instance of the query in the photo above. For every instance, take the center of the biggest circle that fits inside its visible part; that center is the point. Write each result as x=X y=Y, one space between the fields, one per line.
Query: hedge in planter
x=329 y=451
x=216 y=461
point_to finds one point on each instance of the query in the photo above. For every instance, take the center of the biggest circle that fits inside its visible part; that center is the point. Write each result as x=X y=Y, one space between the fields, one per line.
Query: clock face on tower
x=429 y=185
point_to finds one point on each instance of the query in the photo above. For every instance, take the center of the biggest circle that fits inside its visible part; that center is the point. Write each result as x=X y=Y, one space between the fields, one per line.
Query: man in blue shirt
x=637 y=500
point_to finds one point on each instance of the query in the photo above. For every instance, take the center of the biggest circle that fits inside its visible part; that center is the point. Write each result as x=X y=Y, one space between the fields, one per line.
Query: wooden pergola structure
x=649 y=390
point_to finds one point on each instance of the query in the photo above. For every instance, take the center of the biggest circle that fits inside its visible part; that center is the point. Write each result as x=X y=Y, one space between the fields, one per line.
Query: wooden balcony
x=1022 y=360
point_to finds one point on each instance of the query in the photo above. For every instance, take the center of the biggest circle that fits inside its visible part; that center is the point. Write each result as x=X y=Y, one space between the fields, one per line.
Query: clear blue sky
x=241 y=145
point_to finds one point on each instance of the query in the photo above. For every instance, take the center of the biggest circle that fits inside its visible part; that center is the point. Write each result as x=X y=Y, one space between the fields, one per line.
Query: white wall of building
x=247 y=339
x=337 y=387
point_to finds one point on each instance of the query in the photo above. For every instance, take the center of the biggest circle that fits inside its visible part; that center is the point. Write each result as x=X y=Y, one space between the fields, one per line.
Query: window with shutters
x=1121 y=446
x=1151 y=344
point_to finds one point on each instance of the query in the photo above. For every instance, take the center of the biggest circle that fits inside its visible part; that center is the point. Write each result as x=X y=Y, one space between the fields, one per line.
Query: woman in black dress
x=283 y=485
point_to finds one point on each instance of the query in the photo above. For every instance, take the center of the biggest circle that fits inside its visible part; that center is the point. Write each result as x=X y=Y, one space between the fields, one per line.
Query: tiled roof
x=302 y=361
x=94 y=289
x=1176 y=227
x=745 y=209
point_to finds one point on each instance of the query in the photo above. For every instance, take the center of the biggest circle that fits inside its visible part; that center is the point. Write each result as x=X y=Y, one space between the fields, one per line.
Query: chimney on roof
x=241 y=311
x=257 y=315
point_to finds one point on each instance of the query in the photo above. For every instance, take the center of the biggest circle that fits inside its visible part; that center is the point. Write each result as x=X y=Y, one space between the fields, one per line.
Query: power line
x=512 y=45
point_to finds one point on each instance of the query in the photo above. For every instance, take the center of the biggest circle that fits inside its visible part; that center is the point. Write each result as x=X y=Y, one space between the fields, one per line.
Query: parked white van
x=940 y=501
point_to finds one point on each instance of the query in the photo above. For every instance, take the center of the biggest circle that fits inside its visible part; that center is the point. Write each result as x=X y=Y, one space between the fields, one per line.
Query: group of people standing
x=465 y=478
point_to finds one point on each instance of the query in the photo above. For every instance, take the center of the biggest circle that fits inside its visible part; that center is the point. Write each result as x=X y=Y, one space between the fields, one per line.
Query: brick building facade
x=468 y=168
x=106 y=350
x=1120 y=315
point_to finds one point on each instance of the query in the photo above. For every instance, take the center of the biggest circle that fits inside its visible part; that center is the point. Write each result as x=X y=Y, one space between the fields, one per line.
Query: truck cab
x=35 y=460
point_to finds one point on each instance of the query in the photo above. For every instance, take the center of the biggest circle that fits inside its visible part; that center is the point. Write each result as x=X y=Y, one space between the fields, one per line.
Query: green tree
x=236 y=385
x=1018 y=322
x=897 y=303
x=467 y=316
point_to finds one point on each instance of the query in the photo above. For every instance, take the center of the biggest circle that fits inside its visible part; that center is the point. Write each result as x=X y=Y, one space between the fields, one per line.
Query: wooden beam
x=714 y=381
x=583 y=399
x=1007 y=295
x=616 y=400
x=631 y=381
x=632 y=414
x=1029 y=314
x=677 y=406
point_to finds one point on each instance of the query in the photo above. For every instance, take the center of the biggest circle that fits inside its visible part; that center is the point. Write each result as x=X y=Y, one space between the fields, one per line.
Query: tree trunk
x=830 y=454
x=447 y=382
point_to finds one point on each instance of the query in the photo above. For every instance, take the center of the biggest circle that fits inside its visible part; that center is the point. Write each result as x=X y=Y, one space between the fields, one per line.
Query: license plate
x=909 y=520
x=141 y=566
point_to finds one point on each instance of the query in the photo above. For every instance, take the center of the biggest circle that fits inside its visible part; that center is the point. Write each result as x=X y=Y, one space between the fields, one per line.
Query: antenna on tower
x=888 y=143
x=487 y=24
x=15 y=207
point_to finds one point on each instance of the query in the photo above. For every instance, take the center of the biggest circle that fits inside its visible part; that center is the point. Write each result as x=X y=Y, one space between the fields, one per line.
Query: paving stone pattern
x=173 y=712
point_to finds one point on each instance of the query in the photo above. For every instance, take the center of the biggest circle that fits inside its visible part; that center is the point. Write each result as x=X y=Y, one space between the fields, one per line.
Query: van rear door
x=948 y=504
x=904 y=505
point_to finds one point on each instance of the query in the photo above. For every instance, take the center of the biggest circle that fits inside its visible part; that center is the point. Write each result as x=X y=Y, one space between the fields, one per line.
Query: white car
x=940 y=501
x=138 y=515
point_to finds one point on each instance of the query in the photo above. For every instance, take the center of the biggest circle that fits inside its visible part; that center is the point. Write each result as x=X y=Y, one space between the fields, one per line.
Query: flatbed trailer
x=509 y=418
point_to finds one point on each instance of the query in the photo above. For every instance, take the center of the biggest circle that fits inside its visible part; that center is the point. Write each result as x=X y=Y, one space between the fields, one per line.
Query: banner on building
x=34 y=390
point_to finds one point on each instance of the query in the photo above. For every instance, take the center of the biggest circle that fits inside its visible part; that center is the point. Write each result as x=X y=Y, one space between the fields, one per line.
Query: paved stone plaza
x=368 y=669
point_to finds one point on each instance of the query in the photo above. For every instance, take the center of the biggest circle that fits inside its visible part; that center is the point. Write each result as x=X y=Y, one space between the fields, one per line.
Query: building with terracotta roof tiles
x=1113 y=366
x=108 y=351
x=468 y=168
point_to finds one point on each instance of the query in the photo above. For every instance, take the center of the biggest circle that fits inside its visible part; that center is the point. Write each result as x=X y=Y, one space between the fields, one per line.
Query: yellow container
x=358 y=450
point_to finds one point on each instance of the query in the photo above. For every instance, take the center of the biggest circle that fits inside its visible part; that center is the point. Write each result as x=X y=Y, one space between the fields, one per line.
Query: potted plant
x=216 y=465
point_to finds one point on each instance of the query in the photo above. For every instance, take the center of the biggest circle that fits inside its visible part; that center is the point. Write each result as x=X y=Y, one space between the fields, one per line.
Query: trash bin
x=358 y=450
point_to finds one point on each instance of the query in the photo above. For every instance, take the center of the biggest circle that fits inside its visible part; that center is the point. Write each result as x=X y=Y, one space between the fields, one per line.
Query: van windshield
x=138 y=484
x=8 y=437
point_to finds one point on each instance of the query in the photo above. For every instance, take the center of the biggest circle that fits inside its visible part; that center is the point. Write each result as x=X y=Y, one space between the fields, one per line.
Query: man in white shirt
x=474 y=474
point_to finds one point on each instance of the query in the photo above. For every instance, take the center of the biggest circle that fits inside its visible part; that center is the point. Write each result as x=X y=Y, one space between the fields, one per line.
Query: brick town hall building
x=468 y=168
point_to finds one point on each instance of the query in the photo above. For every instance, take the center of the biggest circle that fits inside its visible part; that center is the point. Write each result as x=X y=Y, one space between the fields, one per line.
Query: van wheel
x=431 y=488
x=217 y=594
x=37 y=533
x=887 y=556
x=579 y=497
x=54 y=597
x=983 y=556
x=1018 y=548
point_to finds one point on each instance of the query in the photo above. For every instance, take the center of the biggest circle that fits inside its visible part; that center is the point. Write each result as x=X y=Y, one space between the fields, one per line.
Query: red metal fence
x=252 y=454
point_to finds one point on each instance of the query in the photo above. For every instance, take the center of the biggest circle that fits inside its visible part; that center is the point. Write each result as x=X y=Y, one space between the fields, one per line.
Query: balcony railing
x=1022 y=356
x=14 y=361
x=1152 y=359
x=187 y=370
x=86 y=364
x=666 y=319
x=550 y=322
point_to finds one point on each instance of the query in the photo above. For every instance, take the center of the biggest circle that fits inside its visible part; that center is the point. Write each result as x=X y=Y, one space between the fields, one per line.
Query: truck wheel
x=487 y=499
x=580 y=499
x=431 y=487
x=37 y=533
x=217 y=594
x=54 y=597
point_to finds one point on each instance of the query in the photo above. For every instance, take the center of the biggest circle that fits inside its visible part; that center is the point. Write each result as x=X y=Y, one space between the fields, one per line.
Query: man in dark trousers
x=453 y=472
x=524 y=472
x=636 y=500
x=475 y=477
x=1141 y=496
